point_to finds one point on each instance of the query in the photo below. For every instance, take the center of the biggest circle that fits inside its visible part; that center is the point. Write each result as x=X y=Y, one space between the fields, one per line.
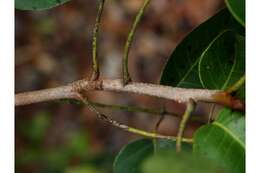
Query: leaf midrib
x=234 y=14
x=203 y=53
x=228 y=131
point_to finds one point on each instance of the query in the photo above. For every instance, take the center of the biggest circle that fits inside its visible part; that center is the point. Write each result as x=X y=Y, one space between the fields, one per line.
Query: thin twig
x=190 y=107
x=162 y=116
x=117 y=107
x=133 y=109
x=211 y=112
x=155 y=141
x=126 y=75
x=109 y=120
x=95 y=65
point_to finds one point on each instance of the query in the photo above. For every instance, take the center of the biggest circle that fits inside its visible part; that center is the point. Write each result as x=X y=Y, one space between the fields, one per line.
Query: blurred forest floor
x=53 y=47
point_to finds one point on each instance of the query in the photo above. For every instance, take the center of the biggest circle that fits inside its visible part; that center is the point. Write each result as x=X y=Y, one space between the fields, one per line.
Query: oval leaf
x=223 y=141
x=129 y=158
x=37 y=4
x=223 y=61
x=234 y=121
x=237 y=8
x=181 y=69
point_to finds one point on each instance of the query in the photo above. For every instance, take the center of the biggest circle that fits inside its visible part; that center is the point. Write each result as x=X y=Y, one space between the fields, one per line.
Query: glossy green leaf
x=181 y=69
x=37 y=4
x=172 y=162
x=131 y=157
x=223 y=141
x=234 y=121
x=223 y=61
x=161 y=145
x=237 y=8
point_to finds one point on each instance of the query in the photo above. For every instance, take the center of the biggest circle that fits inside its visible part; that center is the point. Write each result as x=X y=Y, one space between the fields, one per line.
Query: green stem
x=155 y=141
x=211 y=112
x=116 y=107
x=95 y=65
x=114 y=123
x=133 y=109
x=153 y=135
x=237 y=85
x=190 y=107
x=126 y=76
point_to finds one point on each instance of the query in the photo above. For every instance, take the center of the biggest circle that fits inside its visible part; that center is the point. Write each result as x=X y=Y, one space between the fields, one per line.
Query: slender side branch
x=95 y=65
x=211 y=112
x=189 y=109
x=163 y=112
x=109 y=120
x=126 y=75
x=157 y=125
x=181 y=95
x=133 y=109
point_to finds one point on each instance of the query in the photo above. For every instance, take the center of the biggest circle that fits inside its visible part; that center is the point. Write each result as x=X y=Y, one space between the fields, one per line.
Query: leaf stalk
x=126 y=75
x=95 y=64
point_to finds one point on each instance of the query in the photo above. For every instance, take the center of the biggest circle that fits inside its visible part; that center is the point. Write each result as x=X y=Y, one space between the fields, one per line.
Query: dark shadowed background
x=53 y=47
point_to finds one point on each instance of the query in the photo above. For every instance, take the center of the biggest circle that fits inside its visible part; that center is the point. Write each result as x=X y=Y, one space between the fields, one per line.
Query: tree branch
x=181 y=95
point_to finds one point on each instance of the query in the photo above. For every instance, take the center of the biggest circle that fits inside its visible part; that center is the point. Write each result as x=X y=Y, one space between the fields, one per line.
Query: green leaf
x=223 y=61
x=162 y=145
x=234 y=121
x=223 y=141
x=172 y=162
x=237 y=9
x=37 y=4
x=181 y=69
x=131 y=157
